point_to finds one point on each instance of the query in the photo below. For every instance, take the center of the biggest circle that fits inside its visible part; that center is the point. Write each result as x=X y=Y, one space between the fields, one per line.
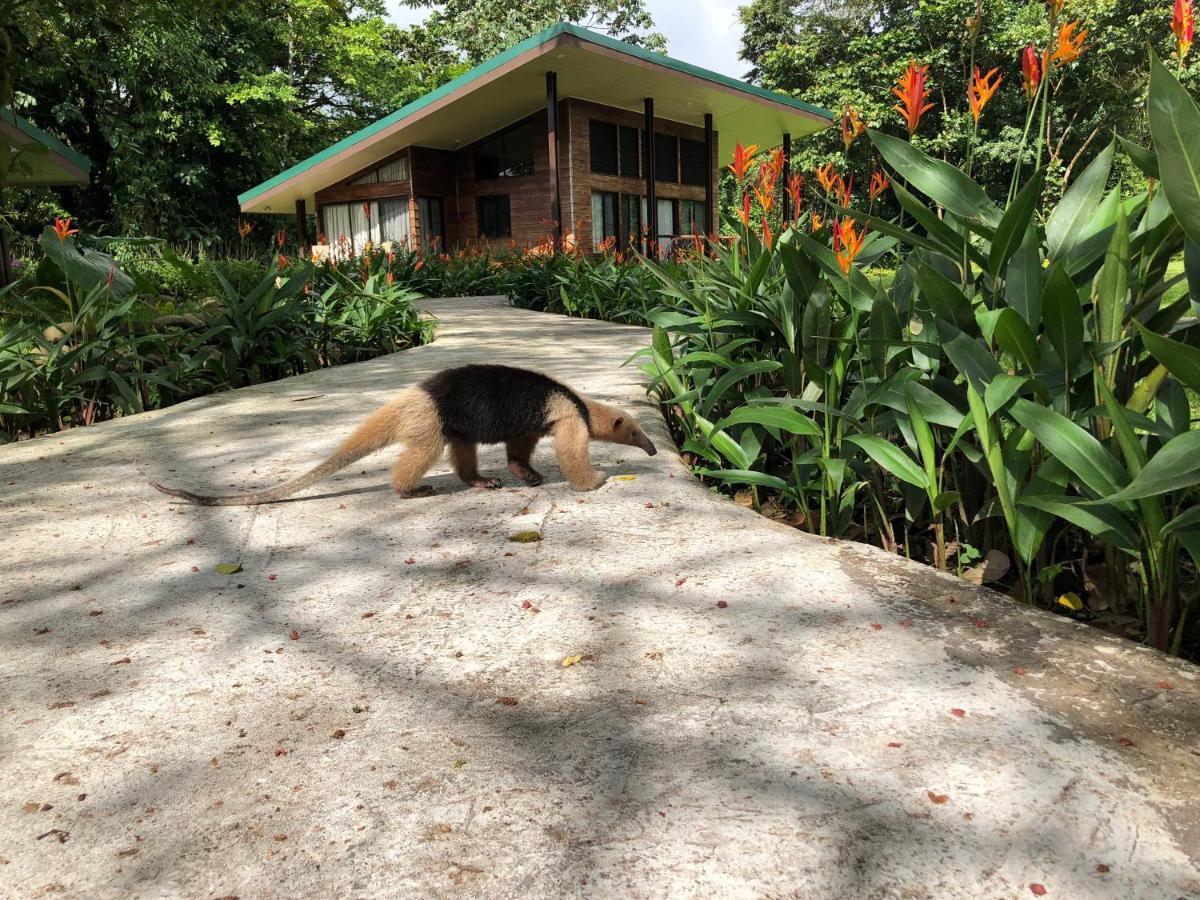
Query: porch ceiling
x=512 y=85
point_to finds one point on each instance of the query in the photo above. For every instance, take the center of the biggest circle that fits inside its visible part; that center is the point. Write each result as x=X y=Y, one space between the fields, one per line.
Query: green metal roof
x=753 y=92
x=51 y=162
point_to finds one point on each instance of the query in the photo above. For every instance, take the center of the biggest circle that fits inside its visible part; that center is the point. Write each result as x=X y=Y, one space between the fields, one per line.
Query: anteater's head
x=618 y=427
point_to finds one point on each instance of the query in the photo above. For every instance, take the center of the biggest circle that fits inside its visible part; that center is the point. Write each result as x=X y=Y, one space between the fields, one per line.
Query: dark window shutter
x=629 y=153
x=604 y=147
x=666 y=157
x=692 y=162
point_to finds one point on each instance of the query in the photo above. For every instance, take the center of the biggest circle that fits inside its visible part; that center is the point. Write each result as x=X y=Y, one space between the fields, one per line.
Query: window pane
x=691 y=162
x=432 y=227
x=604 y=147
x=691 y=217
x=393 y=220
x=396 y=170
x=666 y=224
x=604 y=218
x=666 y=157
x=629 y=152
x=631 y=219
x=494 y=217
x=508 y=154
x=337 y=226
x=370 y=178
x=364 y=224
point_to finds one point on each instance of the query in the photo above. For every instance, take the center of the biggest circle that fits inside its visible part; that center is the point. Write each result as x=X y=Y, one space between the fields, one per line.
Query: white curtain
x=364 y=224
x=396 y=170
x=666 y=224
x=337 y=227
x=393 y=221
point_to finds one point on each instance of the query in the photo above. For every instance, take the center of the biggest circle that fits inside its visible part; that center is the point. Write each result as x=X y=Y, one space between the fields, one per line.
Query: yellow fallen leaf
x=526 y=537
x=571 y=660
x=1071 y=601
x=229 y=568
x=624 y=477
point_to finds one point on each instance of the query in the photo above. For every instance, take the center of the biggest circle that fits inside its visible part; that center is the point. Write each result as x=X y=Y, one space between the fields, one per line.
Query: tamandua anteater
x=464 y=407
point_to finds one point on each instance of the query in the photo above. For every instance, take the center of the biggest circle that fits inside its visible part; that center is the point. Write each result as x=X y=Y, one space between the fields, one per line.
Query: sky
x=701 y=32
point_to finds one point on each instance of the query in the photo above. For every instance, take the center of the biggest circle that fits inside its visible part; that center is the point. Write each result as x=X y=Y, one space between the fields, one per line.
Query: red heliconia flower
x=795 y=189
x=741 y=160
x=280 y=238
x=847 y=243
x=768 y=240
x=244 y=228
x=112 y=275
x=367 y=211
x=63 y=229
x=852 y=126
x=879 y=184
x=744 y=212
x=391 y=257
x=1070 y=45
x=768 y=177
x=1031 y=71
x=913 y=92
x=321 y=237
x=981 y=89
x=827 y=178
x=282 y=261
x=1183 y=24
x=844 y=189
x=391 y=279
x=815 y=221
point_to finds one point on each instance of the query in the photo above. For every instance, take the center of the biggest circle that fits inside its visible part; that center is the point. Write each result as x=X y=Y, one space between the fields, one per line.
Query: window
x=603 y=138
x=632 y=206
x=393 y=220
x=692 y=217
x=604 y=218
x=396 y=170
x=693 y=165
x=629 y=152
x=348 y=226
x=432 y=222
x=666 y=225
x=494 y=219
x=666 y=157
x=508 y=154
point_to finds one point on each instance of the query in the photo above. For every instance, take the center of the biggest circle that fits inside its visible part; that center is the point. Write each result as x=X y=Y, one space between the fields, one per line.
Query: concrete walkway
x=376 y=704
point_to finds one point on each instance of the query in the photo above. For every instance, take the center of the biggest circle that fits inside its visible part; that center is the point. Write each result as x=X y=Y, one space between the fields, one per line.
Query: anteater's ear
x=618 y=421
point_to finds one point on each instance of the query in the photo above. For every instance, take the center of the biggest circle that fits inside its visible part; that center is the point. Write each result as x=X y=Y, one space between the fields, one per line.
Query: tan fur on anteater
x=462 y=408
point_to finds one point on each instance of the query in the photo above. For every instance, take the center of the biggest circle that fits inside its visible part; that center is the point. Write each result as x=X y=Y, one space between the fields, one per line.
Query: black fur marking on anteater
x=491 y=404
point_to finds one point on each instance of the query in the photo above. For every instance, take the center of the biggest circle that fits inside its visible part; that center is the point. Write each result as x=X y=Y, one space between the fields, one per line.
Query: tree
x=482 y=28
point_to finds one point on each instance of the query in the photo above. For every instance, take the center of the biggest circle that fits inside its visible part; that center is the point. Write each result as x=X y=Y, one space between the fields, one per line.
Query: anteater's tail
x=409 y=414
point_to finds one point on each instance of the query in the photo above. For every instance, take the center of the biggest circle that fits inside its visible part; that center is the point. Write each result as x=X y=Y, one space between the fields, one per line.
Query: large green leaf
x=1015 y=337
x=781 y=417
x=1181 y=360
x=1175 y=127
x=890 y=457
x=746 y=476
x=946 y=298
x=1023 y=280
x=1015 y=223
x=885 y=332
x=1102 y=521
x=728 y=379
x=1063 y=315
x=1174 y=467
x=970 y=358
x=945 y=184
x=1066 y=222
x=1073 y=446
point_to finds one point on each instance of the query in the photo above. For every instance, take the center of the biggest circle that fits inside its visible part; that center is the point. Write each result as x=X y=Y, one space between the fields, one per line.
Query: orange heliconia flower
x=1183 y=25
x=847 y=243
x=282 y=261
x=1055 y=7
x=843 y=190
x=852 y=126
x=1031 y=71
x=1070 y=45
x=62 y=228
x=981 y=89
x=815 y=221
x=913 y=92
x=244 y=228
x=744 y=212
x=879 y=184
x=768 y=240
x=795 y=189
x=827 y=178
x=280 y=238
x=391 y=279
x=768 y=178
x=741 y=160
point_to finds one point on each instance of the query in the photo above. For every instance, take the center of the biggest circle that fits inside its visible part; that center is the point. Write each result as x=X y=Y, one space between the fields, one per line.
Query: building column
x=651 y=197
x=552 y=146
x=5 y=273
x=710 y=211
x=786 y=175
x=302 y=226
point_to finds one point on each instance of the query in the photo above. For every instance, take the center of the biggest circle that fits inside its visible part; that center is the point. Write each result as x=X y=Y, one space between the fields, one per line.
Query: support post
x=5 y=272
x=552 y=147
x=786 y=176
x=651 y=197
x=302 y=226
x=709 y=206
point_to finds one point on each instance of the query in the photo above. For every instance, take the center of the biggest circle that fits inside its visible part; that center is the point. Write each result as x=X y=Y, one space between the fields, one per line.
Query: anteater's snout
x=648 y=445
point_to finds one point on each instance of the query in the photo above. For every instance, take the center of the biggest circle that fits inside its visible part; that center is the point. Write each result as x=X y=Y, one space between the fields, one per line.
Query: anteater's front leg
x=466 y=463
x=519 y=452
x=571 y=447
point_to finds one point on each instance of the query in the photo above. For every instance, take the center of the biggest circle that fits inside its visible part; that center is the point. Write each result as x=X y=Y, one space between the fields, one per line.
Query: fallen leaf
x=96 y=612
x=339 y=733
x=1037 y=890
x=624 y=478
x=506 y=701
x=995 y=565
x=722 y=604
x=31 y=807
x=294 y=635
x=1070 y=600
x=1102 y=869
x=679 y=582
x=939 y=799
x=279 y=751
x=272 y=577
x=1126 y=742
x=229 y=568
x=66 y=778
x=905 y=623
x=649 y=505
x=281 y=837
x=409 y=561
x=525 y=604
x=526 y=537
x=1019 y=670
x=58 y=833
x=571 y=660
x=1165 y=686
x=459 y=763
x=980 y=623
x=958 y=712
x=367 y=615
x=132 y=851
x=195 y=568
x=877 y=626
x=894 y=744
x=124 y=660
x=62 y=704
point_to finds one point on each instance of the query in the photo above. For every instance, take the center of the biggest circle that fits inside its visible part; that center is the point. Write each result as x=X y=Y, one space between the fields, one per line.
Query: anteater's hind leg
x=465 y=458
x=519 y=452
x=413 y=463
x=571 y=448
